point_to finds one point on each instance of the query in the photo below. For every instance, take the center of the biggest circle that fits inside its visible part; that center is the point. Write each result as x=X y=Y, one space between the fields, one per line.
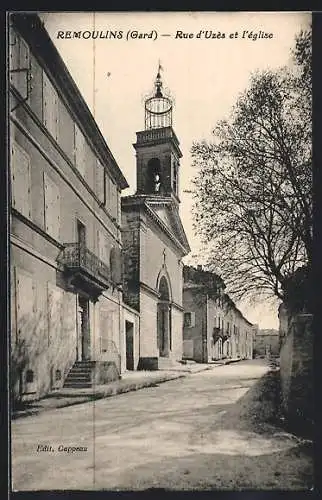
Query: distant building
x=67 y=314
x=214 y=328
x=154 y=240
x=266 y=342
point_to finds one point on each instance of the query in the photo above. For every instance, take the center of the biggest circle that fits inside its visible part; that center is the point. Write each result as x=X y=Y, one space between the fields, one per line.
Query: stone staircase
x=80 y=376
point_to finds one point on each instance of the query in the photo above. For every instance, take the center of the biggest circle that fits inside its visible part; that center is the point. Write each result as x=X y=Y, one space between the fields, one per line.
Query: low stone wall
x=296 y=371
x=105 y=372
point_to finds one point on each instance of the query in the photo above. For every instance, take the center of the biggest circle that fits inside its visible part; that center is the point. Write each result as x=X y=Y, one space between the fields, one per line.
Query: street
x=205 y=431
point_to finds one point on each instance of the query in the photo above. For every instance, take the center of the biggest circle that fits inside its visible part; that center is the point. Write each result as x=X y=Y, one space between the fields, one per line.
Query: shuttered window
x=119 y=212
x=113 y=206
x=103 y=247
x=111 y=198
x=50 y=108
x=20 y=180
x=116 y=265
x=100 y=179
x=69 y=313
x=80 y=146
x=52 y=207
x=19 y=63
x=55 y=309
x=107 y=325
x=26 y=305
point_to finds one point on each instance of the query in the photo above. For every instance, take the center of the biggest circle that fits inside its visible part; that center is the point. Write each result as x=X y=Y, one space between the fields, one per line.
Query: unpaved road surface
x=207 y=431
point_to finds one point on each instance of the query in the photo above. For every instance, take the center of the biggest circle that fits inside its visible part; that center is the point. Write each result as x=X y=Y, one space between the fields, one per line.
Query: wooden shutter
x=113 y=204
x=66 y=133
x=55 y=303
x=106 y=330
x=69 y=313
x=19 y=63
x=42 y=313
x=193 y=319
x=119 y=211
x=14 y=58
x=116 y=265
x=107 y=191
x=99 y=176
x=52 y=207
x=25 y=302
x=79 y=150
x=103 y=247
x=100 y=244
x=50 y=108
x=20 y=180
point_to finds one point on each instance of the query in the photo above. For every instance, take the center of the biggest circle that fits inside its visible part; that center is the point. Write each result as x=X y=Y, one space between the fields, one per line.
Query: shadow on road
x=235 y=446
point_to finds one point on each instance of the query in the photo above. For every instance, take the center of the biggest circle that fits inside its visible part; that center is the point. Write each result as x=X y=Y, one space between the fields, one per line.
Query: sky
x=204 y=75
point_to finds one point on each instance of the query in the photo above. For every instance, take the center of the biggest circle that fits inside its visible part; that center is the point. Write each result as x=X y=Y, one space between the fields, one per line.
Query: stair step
x=81 y=369
x=75 y=384
x=84 y=363
x=73 y=376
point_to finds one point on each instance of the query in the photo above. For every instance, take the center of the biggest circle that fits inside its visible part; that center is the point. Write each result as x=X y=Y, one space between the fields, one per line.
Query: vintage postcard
x=160 y=251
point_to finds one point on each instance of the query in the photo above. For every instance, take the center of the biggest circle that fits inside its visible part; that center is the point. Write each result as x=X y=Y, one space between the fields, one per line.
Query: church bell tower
x=157 y=147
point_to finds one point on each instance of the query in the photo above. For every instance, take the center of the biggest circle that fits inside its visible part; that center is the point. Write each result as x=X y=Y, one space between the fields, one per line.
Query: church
x=154 y=240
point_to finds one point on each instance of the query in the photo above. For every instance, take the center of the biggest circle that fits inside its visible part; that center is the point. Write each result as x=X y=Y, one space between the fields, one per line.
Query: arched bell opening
x=164 y=319
x=154 y=181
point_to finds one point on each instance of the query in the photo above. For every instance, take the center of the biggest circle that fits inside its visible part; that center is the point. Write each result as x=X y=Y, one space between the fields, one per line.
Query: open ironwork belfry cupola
x=158 y=106
x=157 y=146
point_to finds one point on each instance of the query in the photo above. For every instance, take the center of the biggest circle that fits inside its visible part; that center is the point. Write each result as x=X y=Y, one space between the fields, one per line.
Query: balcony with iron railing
x=85 y=269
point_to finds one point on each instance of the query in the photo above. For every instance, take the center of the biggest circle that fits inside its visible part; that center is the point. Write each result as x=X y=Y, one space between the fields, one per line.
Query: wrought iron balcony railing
x=78 y=257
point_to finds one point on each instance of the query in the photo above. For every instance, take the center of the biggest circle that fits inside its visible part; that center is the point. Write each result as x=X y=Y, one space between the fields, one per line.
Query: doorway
x=129 y=330
x=81 y=234
x=83 y=328
x=164 y=319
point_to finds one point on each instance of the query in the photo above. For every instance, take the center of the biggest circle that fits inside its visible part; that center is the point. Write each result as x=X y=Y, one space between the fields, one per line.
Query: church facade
x=154 y=240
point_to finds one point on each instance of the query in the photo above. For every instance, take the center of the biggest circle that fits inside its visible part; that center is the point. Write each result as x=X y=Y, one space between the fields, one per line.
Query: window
x=55 y=313
x=100 y=181
x=107 y=326
x=20 y=180
x=175 y=178
x=80 y=146
x=111 y=196
x=52 y=207
x=189 y=319
x=103 y=247
x=29 y=376
x=50 y=108
x=25 y=306
x=19 y=64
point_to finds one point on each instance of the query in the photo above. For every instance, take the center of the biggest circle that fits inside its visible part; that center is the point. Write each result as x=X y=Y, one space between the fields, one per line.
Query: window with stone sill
x=20 y=180
x=19 y=63
x=50 y=107
x=189 y=319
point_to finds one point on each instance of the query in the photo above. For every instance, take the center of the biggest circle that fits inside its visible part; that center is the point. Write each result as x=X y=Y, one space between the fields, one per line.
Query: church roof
x=164 y=211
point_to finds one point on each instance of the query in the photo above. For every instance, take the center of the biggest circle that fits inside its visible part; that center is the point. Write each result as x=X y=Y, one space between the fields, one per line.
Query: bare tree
x=252 y=199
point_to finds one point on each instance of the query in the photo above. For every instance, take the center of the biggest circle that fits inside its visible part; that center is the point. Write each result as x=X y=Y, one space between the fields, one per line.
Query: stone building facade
x=214 y=328
x=154 y=241
x=67 y=313
x=266 y=342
